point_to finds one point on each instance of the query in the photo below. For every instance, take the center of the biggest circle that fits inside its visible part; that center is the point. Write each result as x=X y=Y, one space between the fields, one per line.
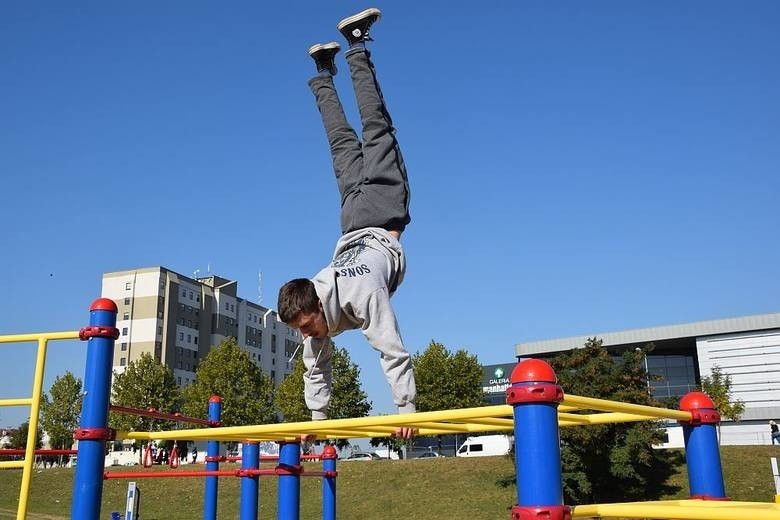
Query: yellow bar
x=508 y=424
x=683 y=510
x=32 y=434
x=614 y=406
x=18 y=338
x=22 y=401
x=12 y=464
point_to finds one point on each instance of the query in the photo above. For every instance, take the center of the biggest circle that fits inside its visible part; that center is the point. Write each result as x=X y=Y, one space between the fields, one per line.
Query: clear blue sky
x=576 y=167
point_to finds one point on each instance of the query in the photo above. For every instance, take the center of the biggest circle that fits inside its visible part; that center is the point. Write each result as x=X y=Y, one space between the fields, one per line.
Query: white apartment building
x=178 y=320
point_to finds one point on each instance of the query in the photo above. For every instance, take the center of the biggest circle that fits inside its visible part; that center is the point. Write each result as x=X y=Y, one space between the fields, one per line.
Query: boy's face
x=312 y=324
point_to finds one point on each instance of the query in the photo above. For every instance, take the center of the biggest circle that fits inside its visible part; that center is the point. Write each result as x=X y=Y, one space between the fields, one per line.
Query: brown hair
x=296 y=297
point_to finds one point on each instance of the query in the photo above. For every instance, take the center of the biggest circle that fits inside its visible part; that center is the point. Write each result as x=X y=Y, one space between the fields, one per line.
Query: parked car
x=430 y=455
x=361 y=456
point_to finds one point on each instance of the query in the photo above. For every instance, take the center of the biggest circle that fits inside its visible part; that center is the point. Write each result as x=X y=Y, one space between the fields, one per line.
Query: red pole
x=154 y=414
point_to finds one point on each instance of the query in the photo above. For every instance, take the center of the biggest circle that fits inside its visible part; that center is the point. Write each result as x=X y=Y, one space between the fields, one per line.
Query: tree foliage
x=347 y=398
x=610 y=462
x=19 y=436
x=145 y=383
x=61 y=409
x=717 y=385
x=247 y=394
x=447 y=380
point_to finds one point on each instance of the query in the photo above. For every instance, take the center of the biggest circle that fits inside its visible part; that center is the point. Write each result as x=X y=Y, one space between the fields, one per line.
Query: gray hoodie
x=367 y=267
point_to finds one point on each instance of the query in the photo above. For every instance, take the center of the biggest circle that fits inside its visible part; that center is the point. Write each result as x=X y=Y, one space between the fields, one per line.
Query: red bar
x=154 y=414
x=266 y=472
x=39 y=452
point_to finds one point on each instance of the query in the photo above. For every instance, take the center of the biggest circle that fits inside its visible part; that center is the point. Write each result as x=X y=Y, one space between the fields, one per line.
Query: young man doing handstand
x=368 y=265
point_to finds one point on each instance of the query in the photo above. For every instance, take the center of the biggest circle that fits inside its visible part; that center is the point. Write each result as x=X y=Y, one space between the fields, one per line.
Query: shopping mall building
x=747 y=349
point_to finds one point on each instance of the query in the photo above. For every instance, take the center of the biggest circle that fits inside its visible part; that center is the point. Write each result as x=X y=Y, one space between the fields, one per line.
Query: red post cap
x=533 y=371
x=215 y=399
x=696 y=401
x=328 y=452
x=103 y=304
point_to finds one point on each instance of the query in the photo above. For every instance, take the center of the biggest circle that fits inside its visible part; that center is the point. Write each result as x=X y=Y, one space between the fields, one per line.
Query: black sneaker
x=355 y=28
x=323 y=54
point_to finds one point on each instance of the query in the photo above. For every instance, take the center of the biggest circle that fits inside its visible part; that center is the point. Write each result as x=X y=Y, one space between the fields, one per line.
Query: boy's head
x=300 y=307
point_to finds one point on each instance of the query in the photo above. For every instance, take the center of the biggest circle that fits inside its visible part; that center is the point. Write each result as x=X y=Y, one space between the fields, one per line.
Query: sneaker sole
x=323 y=46
x=362 y=14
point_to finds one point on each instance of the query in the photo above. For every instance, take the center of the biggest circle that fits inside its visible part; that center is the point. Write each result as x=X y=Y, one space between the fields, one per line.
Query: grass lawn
x=446 y=488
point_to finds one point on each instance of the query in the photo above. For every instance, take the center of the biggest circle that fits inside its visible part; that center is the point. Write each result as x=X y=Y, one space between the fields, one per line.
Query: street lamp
x=647 y=371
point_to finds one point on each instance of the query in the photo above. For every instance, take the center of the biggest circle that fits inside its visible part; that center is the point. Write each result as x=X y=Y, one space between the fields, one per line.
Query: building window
x=232 y=308
x=128 y=286
x=122 y=362
x=190 y=295
x=273 y=361
x=159 y=330
x=124 y=331
x=183 y=293
x=189 y=338
x=273 y=343
x=181 y=336
x=127 y=301
x=227 y=306
x=195 y=340
x=126 y=316
x=124 y=346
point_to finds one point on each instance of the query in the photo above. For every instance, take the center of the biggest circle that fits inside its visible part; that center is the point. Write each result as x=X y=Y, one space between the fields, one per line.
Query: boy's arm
x=381 y=330
x=317 y=379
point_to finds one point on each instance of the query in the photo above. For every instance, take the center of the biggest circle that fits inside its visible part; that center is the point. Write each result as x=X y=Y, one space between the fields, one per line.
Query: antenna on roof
x=260 y=286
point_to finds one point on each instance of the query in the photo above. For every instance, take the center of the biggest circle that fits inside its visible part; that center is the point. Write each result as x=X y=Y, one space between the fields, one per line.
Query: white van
x=485 y=446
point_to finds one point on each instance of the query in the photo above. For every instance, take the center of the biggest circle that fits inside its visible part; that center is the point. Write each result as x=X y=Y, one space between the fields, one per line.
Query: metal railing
x=34 y=402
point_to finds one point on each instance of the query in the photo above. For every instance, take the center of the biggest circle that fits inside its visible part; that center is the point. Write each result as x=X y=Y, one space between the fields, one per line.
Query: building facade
x=178 y=320
x=747 y=349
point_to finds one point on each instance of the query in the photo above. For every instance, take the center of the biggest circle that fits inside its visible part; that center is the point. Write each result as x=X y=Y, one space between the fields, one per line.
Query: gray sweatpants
x=371 y=175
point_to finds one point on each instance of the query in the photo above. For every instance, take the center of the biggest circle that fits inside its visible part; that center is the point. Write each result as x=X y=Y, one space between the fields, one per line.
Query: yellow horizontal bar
x=682 y=509
x=18 y=338
x=467 y=420
x=574 y=418
x=22 y=401
x=491 y=421
x=12 y=464
x=591 y=403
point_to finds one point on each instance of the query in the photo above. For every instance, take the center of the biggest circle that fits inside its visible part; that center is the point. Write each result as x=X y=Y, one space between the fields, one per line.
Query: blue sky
x=576 y=167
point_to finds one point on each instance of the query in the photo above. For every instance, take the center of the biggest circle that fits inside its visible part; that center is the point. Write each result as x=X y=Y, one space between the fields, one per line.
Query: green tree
x=447 y=380
x=61 y=409
x=247 y=394
x=347 y=398
x=145 y=383
x=717 y=385
x=19 y=436
x=610 y=462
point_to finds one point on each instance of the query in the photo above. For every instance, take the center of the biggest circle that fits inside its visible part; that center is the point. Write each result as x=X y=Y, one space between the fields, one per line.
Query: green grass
x=450 y=488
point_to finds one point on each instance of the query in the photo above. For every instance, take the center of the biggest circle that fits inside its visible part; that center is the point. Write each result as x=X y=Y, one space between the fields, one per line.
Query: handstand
x=368 y=265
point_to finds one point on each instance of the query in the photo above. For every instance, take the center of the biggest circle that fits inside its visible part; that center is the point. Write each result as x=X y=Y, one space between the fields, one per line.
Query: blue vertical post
x=289 y=481
x=535 y=396
x=705 y=474
x=93 y=427
x=250 y=484
x=328 y=458
x=212 y=462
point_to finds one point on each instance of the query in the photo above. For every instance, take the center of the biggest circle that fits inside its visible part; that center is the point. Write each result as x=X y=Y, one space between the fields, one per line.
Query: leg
x=345 y=148
x=383 y=199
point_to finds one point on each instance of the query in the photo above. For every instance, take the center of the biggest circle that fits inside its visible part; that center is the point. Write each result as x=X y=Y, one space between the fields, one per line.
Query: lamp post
x=647 y=370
